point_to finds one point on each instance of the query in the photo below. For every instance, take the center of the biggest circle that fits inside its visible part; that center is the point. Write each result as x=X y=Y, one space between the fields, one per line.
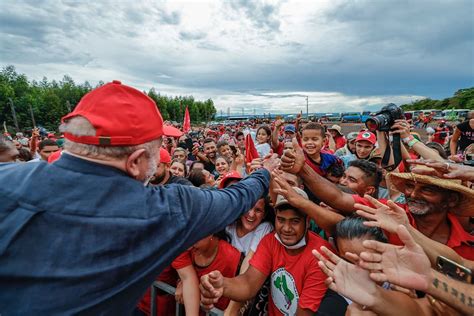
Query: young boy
x=313 y=137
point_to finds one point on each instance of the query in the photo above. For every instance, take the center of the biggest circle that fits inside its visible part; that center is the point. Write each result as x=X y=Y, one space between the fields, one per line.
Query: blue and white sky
x=262 y=55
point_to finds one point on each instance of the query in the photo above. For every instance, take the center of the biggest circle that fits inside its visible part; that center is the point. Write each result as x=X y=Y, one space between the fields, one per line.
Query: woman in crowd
x=246 y=234
x=263 y=137
x=215 y=253
x=178 y=168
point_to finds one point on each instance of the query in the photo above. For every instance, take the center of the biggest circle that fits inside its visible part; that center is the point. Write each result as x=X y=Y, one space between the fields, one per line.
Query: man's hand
x=293 y=161
x=443 y=169
x=387 y=217
x=278 y=124
x=401 y=127
x=178 y=294
x=271 y=162
x=406 y=266
x=283 y=188
x=212 y=289
x=346 y=278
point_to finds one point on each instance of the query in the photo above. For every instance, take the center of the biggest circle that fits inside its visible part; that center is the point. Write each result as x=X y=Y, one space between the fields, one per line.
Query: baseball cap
x=367 y=136
x=290 y=129
x=121 y=116
x=233 y=175
x=281 y=200
x=164 y=156
x=352 y=136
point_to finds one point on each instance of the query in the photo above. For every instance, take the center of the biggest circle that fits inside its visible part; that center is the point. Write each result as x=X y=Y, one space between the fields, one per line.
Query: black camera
x=385 y=118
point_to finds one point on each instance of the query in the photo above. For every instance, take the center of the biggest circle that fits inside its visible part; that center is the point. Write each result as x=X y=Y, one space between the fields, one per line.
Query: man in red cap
x=365 y=144
x=163 y=174
x=97 y=243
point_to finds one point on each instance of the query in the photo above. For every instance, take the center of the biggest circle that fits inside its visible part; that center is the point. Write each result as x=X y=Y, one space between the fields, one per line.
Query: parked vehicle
x=455 y=114
x=366 y=115
x=351 y=117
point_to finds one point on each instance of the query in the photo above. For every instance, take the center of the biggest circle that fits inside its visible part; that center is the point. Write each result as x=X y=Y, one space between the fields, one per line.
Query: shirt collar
x=84 y=166
x=458 y=235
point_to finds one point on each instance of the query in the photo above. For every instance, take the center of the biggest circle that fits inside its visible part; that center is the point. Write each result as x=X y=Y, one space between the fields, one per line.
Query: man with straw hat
x=432 y=206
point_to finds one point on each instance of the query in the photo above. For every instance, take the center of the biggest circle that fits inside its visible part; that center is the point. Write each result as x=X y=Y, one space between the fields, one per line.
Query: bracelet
x=412 y=142
x=406 y=140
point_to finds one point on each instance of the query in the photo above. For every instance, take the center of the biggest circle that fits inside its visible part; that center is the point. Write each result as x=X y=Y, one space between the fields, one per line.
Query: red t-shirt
x=227 y=261
x=459 y=240
x=295 y=280
x=165 y=303
x=340 y=142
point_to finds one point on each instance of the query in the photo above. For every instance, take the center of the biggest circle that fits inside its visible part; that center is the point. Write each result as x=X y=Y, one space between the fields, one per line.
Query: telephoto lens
x=385 y=118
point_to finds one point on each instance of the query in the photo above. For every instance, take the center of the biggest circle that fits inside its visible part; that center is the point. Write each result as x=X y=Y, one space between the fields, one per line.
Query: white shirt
x=250 y=240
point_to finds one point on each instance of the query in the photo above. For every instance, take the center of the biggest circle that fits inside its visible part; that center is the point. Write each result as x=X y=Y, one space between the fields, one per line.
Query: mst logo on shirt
x=284 y=293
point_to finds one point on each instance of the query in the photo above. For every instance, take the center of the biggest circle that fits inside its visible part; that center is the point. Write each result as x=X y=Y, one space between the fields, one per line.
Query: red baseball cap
x=121 y=116
x=164 y=156
x=367 y=136
x=233 y=175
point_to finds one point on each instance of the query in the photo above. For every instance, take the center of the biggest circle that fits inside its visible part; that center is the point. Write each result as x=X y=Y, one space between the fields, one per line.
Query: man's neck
x=166 y=178
x=119 y=164
x=434 y=226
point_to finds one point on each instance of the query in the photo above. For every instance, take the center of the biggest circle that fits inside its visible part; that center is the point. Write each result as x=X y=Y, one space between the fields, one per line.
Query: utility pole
x=32 y=116
x=15 y=120
x=242 y=111
x=307 y=111
x=68 y=106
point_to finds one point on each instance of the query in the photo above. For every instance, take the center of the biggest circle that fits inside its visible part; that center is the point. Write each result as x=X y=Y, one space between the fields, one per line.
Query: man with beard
x=163 y=174
x=84 y=235
x=350 y=146
x=430 y=202
x=208 y=155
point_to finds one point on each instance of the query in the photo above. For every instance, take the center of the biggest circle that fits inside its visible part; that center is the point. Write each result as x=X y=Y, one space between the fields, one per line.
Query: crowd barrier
x=158 y=285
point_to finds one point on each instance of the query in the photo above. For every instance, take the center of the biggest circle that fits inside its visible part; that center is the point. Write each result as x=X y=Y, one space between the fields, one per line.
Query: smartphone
x=453 y=269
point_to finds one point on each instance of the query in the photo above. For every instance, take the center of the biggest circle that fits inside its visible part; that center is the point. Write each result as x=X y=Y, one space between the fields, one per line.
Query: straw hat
x=466 y=204
x=336 y=128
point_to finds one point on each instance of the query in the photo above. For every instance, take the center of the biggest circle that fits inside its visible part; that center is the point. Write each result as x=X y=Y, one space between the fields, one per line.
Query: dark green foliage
x=51 y=100
x=462 y=99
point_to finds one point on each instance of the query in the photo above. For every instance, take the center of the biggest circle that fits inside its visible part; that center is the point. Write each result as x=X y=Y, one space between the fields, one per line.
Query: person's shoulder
x=228 y=250
x=264 y=227
x=179 y=180
x=464 y=124
x=315 y=241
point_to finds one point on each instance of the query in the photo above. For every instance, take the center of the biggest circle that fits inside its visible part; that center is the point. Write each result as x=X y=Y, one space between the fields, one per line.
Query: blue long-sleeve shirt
x=80 y=237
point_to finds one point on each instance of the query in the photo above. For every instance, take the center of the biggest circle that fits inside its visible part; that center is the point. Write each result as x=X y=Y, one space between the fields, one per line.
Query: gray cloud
x=191 y=36
x=257 y=53
x=262 y=15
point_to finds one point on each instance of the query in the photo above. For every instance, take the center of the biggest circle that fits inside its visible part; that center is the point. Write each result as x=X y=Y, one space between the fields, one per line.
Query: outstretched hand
x=443 y=169
x=283 y=188
x=292 y=161
x=406 y=266
x=346 y=278
x=387 y=217
x=212 y=289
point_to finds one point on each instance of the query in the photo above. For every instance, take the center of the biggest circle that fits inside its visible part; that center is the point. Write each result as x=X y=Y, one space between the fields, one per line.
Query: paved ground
x=355 y=127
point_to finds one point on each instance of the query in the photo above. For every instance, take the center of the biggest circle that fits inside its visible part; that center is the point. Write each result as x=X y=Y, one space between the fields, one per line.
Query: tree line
x=462 y=99
x=43 y=103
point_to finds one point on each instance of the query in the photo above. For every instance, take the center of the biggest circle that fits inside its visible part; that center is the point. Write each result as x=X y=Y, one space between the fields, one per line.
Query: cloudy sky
x=252 y=55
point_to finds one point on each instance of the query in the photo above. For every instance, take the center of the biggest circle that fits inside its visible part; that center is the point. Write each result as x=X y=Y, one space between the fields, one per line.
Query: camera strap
x=397 y=153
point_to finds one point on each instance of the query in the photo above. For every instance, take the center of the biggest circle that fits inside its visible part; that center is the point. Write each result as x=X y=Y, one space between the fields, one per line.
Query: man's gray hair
x=80 y=126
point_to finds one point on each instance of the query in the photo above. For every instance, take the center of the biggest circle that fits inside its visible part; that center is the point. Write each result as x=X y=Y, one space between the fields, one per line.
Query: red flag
x=187 y=121
x=250 y=150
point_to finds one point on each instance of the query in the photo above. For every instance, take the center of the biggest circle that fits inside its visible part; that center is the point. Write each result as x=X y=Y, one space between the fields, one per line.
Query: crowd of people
x=258 y=217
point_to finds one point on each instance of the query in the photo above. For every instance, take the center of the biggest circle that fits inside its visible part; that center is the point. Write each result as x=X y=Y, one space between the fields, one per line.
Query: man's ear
x=370 y=190
x=453 y=199
x=132 y=165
